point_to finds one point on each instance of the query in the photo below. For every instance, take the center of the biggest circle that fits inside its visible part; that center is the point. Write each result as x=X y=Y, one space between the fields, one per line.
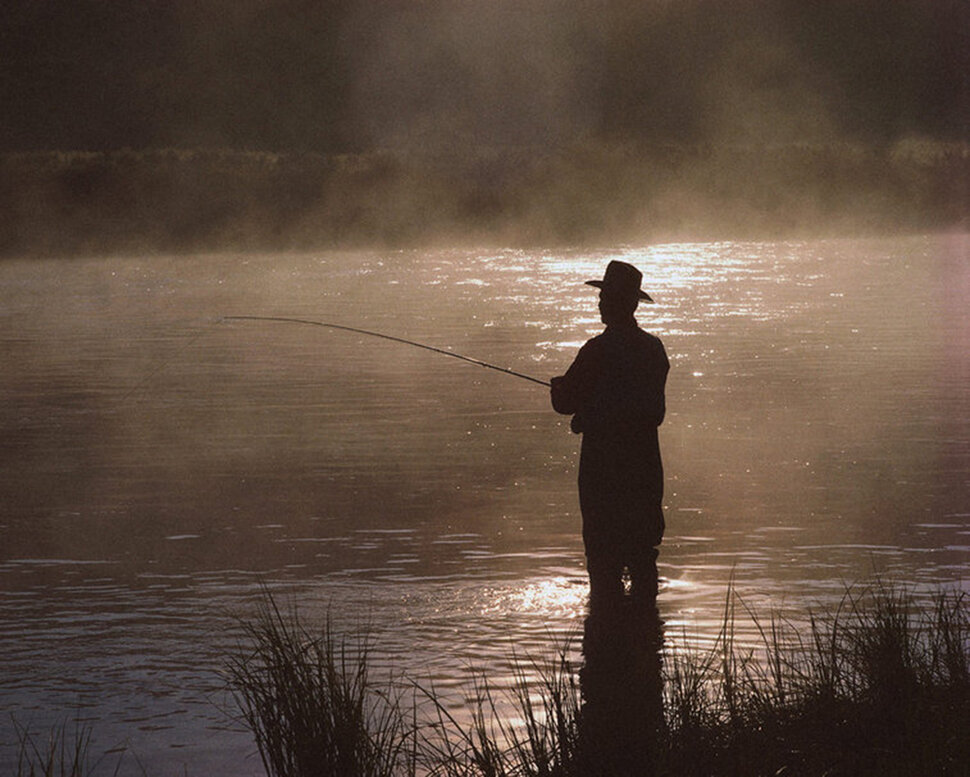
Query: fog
x=526 y=121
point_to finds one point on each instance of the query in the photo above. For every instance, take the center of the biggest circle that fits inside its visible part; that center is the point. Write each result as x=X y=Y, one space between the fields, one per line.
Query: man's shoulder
x=649 y=337
x=648 y=340
x=652 y=346
x=610 y=339
x=595 y=344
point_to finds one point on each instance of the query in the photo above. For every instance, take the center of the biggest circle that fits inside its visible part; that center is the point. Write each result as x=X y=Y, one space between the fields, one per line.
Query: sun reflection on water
x=561 y=596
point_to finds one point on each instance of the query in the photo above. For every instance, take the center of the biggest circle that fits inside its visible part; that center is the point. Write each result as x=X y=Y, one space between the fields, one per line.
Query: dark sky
x=349 y=75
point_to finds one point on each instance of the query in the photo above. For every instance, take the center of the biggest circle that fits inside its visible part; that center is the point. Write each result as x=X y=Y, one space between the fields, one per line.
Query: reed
x=529 y=730
x=881 y=686
x=62 y=753
x=877 y=687
x=310 y=705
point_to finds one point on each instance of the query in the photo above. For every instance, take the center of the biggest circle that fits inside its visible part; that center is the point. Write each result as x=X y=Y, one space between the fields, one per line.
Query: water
x=158 y=466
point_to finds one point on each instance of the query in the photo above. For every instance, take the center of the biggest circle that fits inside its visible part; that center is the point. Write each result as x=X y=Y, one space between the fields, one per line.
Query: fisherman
x=615 y=392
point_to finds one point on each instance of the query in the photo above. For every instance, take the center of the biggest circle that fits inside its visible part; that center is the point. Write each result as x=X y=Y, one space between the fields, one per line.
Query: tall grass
x=881 y=686
x=310 y=705
x=530 y=730
x=60 y=754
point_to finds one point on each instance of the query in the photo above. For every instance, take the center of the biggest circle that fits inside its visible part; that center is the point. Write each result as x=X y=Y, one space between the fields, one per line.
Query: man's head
x=620 y=292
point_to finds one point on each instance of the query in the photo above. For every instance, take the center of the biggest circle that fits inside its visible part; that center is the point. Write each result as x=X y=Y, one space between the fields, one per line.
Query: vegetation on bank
x=173 y=200
x=62 y=753
x=879 y=687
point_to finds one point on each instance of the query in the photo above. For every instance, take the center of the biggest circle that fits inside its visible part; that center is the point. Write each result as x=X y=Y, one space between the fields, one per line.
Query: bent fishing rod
x=392 y=338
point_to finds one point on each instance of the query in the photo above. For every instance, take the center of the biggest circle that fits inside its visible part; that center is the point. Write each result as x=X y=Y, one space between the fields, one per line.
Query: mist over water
x=158 y=464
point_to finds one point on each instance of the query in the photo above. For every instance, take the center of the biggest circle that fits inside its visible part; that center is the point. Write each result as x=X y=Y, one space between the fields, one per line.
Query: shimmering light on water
x=558 y=597
x=158 y=466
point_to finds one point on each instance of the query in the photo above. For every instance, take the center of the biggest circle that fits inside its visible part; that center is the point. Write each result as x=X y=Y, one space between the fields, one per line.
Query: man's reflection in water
x=622 y=716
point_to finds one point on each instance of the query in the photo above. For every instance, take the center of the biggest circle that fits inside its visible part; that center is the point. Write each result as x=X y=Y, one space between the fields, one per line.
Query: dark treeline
x=171 y=200
x=339 y=76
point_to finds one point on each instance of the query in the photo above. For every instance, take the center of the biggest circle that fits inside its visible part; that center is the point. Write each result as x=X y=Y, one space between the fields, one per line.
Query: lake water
x=159 y=465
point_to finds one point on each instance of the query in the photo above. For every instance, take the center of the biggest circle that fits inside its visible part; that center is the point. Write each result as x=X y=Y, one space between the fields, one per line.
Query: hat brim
x=641 y=295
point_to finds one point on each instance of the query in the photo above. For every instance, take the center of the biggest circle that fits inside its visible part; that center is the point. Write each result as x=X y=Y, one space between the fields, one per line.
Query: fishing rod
x=442 y=351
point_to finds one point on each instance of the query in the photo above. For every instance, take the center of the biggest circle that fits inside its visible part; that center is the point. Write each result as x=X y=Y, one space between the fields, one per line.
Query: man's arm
x=564 y=399
x=570 y=392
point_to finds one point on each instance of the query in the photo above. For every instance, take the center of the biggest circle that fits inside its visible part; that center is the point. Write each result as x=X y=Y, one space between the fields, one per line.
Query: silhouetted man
x=615 y=392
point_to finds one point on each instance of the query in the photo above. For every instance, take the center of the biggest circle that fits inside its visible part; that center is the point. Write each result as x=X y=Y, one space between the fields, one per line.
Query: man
x=615 y=392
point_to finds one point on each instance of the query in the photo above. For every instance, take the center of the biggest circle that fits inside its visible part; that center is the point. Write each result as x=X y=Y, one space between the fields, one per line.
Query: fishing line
x=392 y=338
x=163 y=364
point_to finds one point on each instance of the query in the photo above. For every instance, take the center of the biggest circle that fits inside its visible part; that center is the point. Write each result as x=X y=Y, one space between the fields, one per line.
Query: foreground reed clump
x=543 y=741
x=309 y=703
x=879 y=687
x=62 y=753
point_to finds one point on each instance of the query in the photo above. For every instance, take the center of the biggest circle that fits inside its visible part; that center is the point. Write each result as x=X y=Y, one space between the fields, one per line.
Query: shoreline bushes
x=56 y=203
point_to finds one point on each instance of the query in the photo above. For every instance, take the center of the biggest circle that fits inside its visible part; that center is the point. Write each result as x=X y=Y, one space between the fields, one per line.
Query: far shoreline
x=191 y=201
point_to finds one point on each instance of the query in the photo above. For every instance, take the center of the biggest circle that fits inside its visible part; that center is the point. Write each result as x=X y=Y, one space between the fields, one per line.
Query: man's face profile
x=616 y=308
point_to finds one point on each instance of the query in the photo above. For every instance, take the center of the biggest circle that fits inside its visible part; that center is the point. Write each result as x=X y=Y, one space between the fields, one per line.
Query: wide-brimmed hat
x=622 y=279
